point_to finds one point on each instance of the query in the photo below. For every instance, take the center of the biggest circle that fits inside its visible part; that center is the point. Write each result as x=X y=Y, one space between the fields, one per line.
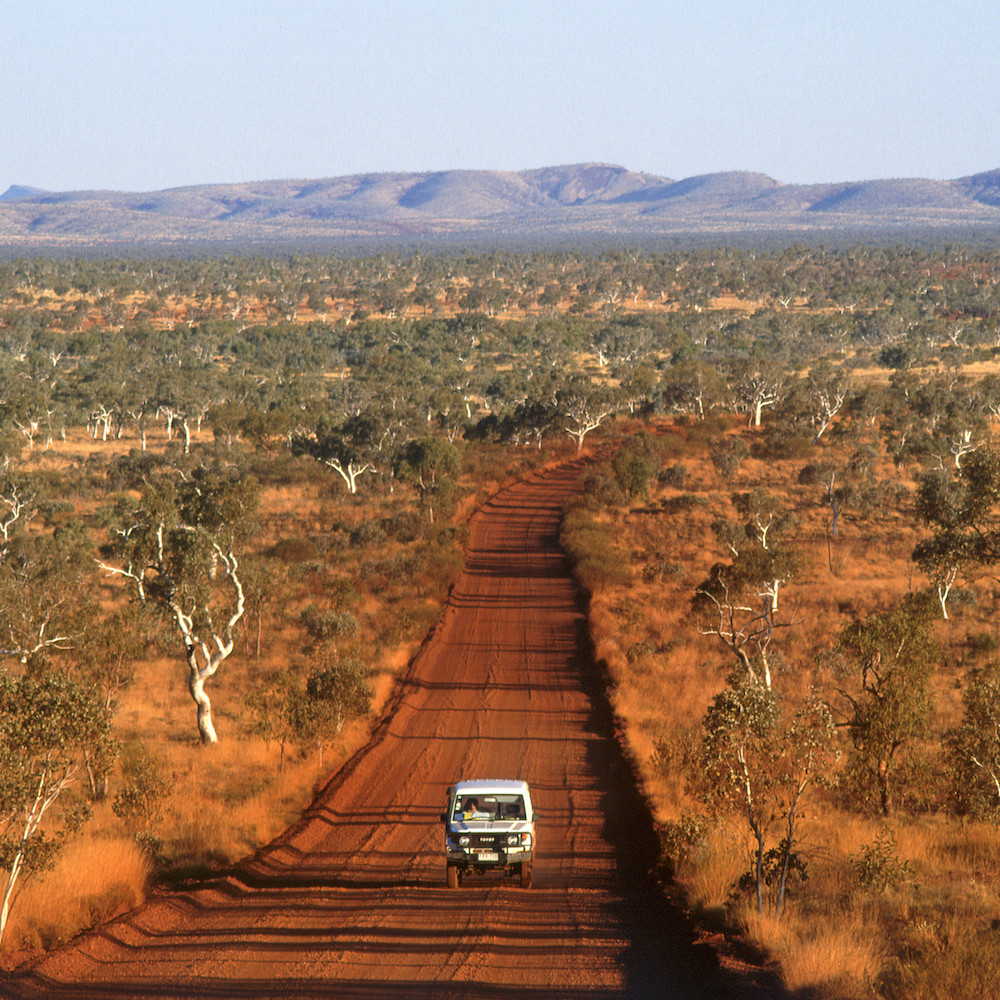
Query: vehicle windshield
x=489 y=808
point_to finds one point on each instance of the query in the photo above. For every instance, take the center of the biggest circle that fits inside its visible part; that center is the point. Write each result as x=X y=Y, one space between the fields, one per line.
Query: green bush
x=632 y=473
x=877 y=867
x=728 y=455
x=294 y=549
x=594 y=560
x=679 y=838
x=138 y=803
x=674 y=476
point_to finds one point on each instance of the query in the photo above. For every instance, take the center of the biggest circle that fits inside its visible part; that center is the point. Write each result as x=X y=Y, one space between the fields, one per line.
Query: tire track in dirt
x=351 y=902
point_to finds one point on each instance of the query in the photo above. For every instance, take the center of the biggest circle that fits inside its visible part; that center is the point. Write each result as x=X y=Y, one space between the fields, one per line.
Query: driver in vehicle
x=470 y=810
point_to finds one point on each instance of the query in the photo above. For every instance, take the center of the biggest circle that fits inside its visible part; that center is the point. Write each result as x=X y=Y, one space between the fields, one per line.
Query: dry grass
x=714 y=865
x=839 y=958
x=230 y=798
x=94 y=879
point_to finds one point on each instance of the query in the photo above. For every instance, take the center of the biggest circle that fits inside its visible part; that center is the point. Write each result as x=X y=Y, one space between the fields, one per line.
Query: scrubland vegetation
x=232 y=499
x=861 y=779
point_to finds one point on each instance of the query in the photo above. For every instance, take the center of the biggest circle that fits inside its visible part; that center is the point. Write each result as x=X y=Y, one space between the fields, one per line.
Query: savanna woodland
x=233 y=493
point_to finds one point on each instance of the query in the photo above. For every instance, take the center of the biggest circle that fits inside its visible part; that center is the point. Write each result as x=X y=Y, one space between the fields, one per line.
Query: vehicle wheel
x=525 y=874
x=452 y=876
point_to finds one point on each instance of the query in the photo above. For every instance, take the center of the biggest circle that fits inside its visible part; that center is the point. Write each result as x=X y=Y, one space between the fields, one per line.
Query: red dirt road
x=352 y=902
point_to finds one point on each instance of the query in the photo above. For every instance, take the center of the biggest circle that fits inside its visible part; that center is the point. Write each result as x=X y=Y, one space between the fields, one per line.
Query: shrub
x=877 y=867
x=632 y=473
x=601 y=488
x=594 y=559
x=684 y=502
x=329 y=626
x=783 y=442
x=294 y=549
x=983 y=643
x=728 y=455
x=679 y=838
x=145 y=785
x=369 y=534
x=405 y=526
x=640 y=651
x=340 y=593
x=674 y=476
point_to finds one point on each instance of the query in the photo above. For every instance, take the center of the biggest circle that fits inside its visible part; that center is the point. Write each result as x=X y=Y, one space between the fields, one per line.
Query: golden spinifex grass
x=885 y=900
x=830 y=957
x=95 y=878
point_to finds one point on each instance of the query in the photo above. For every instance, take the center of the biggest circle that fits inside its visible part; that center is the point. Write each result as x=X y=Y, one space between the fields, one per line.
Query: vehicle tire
x=525 y=874
x=452 y=876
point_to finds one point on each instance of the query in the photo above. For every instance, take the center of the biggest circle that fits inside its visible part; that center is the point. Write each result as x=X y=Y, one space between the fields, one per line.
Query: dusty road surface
x=352 y=902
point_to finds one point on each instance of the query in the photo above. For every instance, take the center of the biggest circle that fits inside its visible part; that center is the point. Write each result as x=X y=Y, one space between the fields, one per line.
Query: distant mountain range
x=583 y=202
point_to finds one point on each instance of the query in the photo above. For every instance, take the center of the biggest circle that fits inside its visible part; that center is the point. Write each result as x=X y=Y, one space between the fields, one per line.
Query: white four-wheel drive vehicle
x=489 y=825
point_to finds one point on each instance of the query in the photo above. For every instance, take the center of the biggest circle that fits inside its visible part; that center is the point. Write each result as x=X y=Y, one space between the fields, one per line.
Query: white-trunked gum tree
x=178 y=546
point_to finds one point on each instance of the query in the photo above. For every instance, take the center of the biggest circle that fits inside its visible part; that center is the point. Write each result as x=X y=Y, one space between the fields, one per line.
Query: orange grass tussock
x=94 y=879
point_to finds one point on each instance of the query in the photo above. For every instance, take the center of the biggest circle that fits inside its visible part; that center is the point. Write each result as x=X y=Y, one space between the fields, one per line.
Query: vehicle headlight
x=513 y=838
x=464 y=841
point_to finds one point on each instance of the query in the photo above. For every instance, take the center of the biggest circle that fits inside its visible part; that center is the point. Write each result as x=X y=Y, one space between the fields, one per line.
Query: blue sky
x=138 y=96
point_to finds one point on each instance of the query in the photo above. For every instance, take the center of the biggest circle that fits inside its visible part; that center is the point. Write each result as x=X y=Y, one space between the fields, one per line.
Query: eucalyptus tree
x=864 y=410
x=951 y=417
x=851 y=485
x=637 y=388
x=110 y=381
x=623 y=342
x=757 y=385
x=46 y=591
x=529 y=421
x=27 y=400
x=889 y=655
x=178 y=547
x=989 y=392
x=338 y=689
x=583 y=406
x=692 y=387
x=349 y=446
x=430 y=463
x=20 y=502
x=279 y=711
x=974 y=744
x=506 y=389
x=962 y=509
x=450 y=410
x=184 y=395
x=762 y=763
x=49 y=724
x=739 y=603
x=828 y=389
